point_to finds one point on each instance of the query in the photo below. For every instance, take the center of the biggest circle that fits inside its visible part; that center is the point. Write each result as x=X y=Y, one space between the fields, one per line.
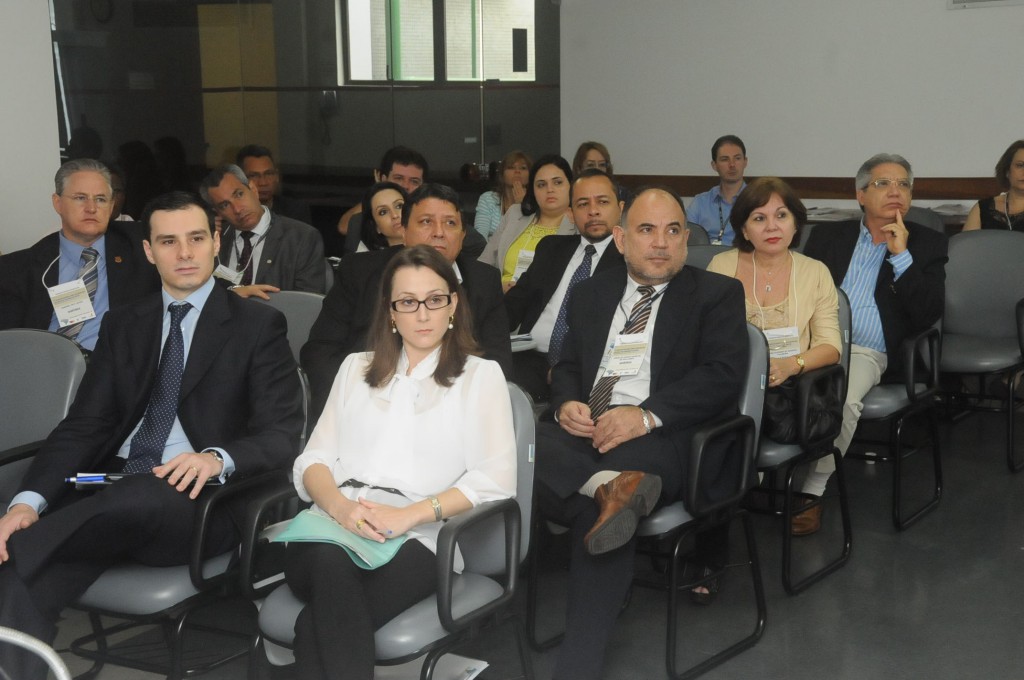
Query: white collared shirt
x=260 y=237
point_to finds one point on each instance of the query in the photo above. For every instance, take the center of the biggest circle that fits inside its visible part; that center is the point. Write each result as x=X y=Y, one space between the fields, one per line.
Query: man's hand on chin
x=19 y=517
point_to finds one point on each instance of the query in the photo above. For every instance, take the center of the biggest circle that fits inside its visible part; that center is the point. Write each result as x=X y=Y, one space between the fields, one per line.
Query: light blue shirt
x=488 y=213
x=70 y=262
x=859 y=285
x=711 y=211
x=177 y=441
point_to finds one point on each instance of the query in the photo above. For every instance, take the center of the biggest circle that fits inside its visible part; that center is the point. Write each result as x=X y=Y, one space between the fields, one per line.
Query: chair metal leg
x=675 y=587
x=787 y=536
x=1011 y=404
x=897 y=455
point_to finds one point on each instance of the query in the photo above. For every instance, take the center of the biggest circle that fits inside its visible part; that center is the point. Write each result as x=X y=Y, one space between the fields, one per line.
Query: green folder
x=310 y=526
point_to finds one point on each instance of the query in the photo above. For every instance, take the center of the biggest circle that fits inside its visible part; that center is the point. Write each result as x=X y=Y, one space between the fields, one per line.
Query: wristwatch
x=801 y=363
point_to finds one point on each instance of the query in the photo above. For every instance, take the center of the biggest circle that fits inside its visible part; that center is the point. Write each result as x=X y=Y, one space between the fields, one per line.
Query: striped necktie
x=561 y=327
x=245 y=259
x=89 y=272
x=601 y=395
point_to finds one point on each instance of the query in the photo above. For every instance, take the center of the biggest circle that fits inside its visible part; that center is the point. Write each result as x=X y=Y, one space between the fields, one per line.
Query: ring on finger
x=194 y=469
x=359 y=524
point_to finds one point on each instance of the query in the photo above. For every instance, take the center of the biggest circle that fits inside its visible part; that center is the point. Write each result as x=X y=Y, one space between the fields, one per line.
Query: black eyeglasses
x=410 y=305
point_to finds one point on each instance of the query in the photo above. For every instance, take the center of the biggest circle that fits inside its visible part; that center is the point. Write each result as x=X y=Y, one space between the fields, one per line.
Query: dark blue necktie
x=148 y=444
x=562 y=322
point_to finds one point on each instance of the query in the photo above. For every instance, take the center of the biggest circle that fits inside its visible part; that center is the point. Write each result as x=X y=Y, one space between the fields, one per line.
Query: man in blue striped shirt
x=894 y=274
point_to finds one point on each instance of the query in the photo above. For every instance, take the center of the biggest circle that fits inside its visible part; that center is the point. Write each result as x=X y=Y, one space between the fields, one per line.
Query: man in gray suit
x=261 y=252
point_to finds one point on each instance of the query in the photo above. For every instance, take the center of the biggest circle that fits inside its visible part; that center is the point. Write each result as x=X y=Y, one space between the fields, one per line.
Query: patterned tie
x=601 y=395
x=147 y=445
x=89 y=272
x=245 y=259
x=561 y=322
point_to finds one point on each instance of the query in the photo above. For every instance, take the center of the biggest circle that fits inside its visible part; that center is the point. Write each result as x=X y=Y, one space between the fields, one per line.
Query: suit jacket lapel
x=269 y=265
x=212 y=332
x=673 y=314
x=599 y=325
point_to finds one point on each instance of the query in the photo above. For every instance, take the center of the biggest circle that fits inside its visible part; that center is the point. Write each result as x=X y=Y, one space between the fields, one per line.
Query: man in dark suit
x=87 y=240
x=261 y=252
x=538 y=303
x=894 y=274
x=257 y=162
x=432 y=217
x=186 y=385
x=654 y=350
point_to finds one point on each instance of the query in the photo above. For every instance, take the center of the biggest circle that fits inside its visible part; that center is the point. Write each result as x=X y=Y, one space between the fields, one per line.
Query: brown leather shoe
x=806 y=522
x=623 y=501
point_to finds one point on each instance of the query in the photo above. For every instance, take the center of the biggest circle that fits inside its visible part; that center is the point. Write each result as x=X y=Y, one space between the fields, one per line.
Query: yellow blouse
x=527 y=241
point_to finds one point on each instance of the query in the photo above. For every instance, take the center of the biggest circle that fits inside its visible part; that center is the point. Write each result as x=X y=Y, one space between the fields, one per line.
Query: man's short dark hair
x=425 y=191
x=402 y=155
x=643 y=190
x=591 y=172
x=253 y=151
x=727 y=139
x=175 y=200
x=217 y=176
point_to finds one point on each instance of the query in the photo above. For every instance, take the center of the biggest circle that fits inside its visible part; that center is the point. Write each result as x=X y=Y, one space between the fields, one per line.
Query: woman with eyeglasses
x=1005 y=211
x=416 y=430
x=383 y=203
x=509 y=190
x=543 y=212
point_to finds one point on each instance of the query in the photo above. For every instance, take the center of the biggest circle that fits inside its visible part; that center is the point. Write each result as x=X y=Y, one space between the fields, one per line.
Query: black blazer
x=24 y=302
x=240 y=391
x=349 y=306
x=292 y=257
x=699 y=350
x=527 y=299
x=906 y=306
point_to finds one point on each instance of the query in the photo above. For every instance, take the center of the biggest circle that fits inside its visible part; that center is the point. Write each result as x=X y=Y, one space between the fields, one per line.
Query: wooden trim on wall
x=925 y=188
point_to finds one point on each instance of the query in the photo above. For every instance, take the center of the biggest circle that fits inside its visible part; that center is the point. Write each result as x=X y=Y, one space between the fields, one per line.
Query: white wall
x=28 y=125
x=813 y=87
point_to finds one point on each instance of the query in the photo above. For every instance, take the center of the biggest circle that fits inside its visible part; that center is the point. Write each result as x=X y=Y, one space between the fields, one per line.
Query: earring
x=451 y=322
x=394 y=329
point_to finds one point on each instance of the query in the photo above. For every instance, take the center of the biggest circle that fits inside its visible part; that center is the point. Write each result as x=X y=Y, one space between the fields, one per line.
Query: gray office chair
x=701 y=255
x=301 y=310
x=805 y=234
x=774 y=457
x=926 y=217
x=492 y=537
x=140 y=595
x=698 y=235
x=39 y=376
x=982 y=326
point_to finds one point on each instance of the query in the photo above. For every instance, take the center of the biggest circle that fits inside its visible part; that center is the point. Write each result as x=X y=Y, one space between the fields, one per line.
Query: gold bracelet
x=436 y=505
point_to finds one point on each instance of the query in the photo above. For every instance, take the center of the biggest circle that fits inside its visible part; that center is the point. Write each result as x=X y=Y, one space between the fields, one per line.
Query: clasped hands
x=613 y=427
x=375 y=521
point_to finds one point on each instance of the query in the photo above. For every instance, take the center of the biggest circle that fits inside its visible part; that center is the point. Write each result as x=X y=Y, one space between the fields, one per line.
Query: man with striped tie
x=654 y=350
x=66 y=282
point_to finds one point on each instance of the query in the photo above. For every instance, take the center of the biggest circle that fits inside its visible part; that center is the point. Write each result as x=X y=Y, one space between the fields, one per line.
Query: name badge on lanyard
x=783 y=342
x=228 y=274
x=70 y=300
x=626 y=355
x=523 y=263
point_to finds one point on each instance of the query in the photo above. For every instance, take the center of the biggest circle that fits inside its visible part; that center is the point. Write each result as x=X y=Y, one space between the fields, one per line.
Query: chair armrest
x=262 y=504
x=1020 y=324
x=747 y=450
x=16 y=453
x=807 y=383
x=447 y=540
x=924 y=345
x=207 y=503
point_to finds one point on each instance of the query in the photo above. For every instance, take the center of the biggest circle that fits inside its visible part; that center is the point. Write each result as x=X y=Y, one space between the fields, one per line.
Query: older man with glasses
x=894 y=274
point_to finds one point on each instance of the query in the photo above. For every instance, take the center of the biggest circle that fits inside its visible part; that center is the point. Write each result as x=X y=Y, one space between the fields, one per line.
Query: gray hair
x=216 y=176
x=864 y=174
x=78 y=165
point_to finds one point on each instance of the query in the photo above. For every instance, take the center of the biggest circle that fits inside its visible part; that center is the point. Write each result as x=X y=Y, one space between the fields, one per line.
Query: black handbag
x=782 y=408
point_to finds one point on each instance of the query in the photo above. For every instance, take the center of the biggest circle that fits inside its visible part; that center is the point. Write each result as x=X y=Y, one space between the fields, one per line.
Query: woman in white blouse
x=415 y=431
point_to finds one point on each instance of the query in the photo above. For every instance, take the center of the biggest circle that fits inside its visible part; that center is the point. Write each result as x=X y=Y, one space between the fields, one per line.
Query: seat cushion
x=140 y=590
x=406 y=634
x=885 y=400
x=974 y=354
x=664 y=519
x=771 y=454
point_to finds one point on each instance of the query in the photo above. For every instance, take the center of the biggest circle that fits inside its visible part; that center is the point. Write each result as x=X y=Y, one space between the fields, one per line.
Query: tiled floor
x=944 y=599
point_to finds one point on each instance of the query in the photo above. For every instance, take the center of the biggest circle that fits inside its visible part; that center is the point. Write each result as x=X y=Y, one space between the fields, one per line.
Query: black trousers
x=55 y=560
x=346 y=604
